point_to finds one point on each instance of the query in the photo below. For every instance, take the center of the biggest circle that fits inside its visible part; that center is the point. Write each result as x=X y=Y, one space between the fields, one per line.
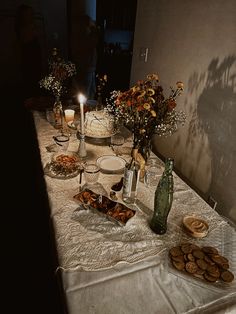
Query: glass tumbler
x=69 y=115
x=91 y=173
x=62 y=141
x=152 y=175
x=50 y=116
x=116 y=142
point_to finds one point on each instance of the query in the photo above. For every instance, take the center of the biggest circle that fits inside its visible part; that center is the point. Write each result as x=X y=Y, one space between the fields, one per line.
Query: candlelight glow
x=81 y=98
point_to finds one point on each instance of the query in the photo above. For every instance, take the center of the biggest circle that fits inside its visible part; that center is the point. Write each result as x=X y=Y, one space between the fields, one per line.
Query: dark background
x=28 y=253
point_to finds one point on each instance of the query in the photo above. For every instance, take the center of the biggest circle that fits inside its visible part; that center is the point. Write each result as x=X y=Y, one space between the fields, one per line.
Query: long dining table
x=111 y=269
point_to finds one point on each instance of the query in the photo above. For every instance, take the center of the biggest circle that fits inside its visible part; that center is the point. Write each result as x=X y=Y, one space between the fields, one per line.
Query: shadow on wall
x=213 y=116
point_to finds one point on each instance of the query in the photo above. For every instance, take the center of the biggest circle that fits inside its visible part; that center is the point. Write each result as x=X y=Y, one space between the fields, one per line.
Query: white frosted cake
x=99 y=124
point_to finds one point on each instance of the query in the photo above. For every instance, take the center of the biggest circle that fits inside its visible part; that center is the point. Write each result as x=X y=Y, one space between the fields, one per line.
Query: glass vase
x=145 y=149
x=58 y=114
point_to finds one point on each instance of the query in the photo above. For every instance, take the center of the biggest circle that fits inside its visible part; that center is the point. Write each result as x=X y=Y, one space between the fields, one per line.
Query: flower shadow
x=212 y=106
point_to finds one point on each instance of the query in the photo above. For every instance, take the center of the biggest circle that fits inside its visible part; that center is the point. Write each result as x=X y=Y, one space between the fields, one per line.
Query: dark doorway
x=116 y=20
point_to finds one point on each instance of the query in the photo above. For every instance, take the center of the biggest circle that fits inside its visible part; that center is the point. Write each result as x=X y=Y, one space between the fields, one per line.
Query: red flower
x=139 y=108
x=171 y=104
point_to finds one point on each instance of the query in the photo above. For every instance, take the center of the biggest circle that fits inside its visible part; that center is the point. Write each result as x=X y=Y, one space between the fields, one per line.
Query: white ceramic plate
x=111 y=164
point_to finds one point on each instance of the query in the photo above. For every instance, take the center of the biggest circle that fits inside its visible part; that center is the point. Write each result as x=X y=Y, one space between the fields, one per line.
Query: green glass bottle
x=163 y=199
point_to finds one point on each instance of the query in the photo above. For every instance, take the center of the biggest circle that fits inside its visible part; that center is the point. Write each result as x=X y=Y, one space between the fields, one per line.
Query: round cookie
x=179 y=258
x=190 y=257
x=227 y=276
x=209 y=250
x=191 y=267
x=175 y=251
x=201 y=264
x=178 y=265
x=209 y=277
x=208 y=260
x=220 y=260
x=186 y=248
x=198 y=254
x=213 y=271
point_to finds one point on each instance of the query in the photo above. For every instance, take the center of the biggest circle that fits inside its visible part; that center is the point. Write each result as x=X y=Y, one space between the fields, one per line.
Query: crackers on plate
x=203 y=262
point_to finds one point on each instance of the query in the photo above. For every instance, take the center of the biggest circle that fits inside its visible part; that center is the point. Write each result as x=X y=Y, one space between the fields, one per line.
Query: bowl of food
x=195 y=226
x=64 y=165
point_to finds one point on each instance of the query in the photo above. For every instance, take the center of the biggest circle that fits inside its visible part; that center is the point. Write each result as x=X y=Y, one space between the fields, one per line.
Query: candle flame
x=81 y=99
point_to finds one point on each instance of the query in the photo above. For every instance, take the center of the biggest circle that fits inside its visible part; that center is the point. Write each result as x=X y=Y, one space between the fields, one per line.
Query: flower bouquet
x=60 y=71
x=146 y=111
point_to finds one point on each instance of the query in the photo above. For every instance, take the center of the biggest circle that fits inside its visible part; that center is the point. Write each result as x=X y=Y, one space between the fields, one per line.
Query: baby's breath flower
x=61 y=70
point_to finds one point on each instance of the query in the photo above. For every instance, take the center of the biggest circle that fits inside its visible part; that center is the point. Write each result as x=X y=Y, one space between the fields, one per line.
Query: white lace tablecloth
x=90 y=242
x=92 y=249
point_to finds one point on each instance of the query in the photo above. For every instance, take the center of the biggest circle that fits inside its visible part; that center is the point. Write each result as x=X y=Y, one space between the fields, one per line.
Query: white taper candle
x=82 y=101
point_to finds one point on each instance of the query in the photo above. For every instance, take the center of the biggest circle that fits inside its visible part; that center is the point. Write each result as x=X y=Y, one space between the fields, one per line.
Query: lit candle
x=82 y=100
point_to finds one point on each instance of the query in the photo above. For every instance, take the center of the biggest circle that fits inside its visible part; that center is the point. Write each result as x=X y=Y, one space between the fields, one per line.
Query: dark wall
x=28 y=245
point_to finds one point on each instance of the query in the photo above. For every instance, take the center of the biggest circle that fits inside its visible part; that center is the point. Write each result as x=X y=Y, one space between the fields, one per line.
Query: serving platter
x=223 y=240
x=75 y=125
x=102 y=205
x=97 y=136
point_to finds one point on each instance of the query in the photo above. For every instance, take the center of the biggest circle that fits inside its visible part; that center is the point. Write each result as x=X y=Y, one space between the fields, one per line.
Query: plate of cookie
x=202 y=264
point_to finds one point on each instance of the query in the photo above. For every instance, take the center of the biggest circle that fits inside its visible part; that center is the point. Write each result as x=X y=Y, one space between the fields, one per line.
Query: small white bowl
x=195 y=226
